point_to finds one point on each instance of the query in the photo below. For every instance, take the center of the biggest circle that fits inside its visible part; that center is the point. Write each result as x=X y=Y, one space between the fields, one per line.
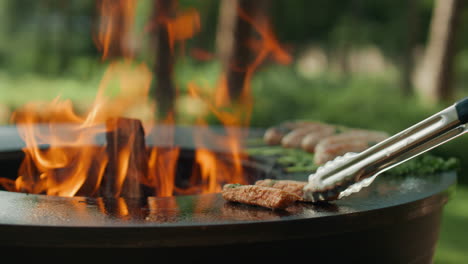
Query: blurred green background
x=354 y=62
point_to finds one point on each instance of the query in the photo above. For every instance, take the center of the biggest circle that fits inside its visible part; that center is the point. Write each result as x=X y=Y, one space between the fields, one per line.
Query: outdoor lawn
x=453 y=243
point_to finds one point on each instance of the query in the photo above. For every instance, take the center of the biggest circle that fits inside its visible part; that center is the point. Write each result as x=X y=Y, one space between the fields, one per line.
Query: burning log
x=290 y=186
x=259 y=195
x=128 y=159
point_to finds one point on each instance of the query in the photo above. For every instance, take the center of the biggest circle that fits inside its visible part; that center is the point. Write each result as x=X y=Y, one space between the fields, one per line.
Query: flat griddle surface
x=207 y=219
x=207 y=209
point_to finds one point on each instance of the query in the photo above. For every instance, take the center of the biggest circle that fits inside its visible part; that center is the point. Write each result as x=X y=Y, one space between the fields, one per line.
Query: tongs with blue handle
x=350 y=173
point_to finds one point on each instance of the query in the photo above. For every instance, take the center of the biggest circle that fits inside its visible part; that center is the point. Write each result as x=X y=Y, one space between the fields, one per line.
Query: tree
x=232 y=37
x=163 y=87
x=434 y=78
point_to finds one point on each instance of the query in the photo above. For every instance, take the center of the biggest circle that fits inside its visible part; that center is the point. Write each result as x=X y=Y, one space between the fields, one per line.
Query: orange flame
x=267 y=44
x=63 y=168
x=201 y=55
x=114 y=35
x=183 y=26
x=163 y=162
x=73 y=164
x=235 y=114
x=119 y=207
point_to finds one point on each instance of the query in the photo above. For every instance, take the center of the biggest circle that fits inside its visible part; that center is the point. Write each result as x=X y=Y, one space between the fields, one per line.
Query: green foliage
x=296 y=160
x=424 y=165
x=372 y=102
x=363 y=101
x=452 y=239
x=289 y=160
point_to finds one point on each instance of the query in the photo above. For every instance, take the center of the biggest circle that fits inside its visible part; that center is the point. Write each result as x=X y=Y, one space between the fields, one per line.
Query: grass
x=453 y=241
x=18 y=90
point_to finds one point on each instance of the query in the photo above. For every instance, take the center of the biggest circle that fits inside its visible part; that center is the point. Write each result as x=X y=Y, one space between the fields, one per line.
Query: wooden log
x=127 y=158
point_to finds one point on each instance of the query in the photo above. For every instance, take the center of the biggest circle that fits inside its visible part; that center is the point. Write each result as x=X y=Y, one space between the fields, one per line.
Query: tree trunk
x=232 y=38
x=434 y=78
x=43 y=38
x=111 y=30
x=407 y=60
x=225 y=31
x=64 y=51
x=163 y=87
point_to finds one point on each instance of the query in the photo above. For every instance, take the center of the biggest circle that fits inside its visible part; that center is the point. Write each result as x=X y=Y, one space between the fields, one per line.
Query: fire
x=163 y=162
x=114 y=38
x=63 y=154
x=183 y=26
x=201 y=55
x=234 y=114
x=65 y=166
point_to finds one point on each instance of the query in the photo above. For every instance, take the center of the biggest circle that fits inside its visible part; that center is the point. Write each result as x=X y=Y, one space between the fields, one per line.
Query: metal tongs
x=350 y=173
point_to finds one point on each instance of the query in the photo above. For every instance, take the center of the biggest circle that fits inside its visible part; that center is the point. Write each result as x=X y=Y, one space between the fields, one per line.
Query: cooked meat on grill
x=294 y=138
x=294 y=187
x=310 y=141
x=350 y=141
x=274 y=135
x=258 y=195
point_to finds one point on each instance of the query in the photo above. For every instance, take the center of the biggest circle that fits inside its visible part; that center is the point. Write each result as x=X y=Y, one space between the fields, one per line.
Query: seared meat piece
x=258 y=195
x=274 y=135
x=310 y=141
x=294 y=138
x=294 y=187
x=350 y=141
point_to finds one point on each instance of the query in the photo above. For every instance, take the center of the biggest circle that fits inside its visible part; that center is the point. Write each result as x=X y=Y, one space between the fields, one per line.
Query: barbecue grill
x=395 y=220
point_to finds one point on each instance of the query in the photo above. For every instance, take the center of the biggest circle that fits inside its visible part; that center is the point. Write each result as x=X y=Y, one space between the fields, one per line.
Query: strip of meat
x=351 y=141
x=258 y=195
x=310 y=141
x=294 y=138
x=294 y=187
x=274 y=135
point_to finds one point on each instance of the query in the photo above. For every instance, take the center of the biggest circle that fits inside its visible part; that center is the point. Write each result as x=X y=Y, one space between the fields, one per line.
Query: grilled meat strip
x=310 y=141
x=258 y=195
x=274 y=135
x=290 y=186
x=294 y=138
x=351 y=141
